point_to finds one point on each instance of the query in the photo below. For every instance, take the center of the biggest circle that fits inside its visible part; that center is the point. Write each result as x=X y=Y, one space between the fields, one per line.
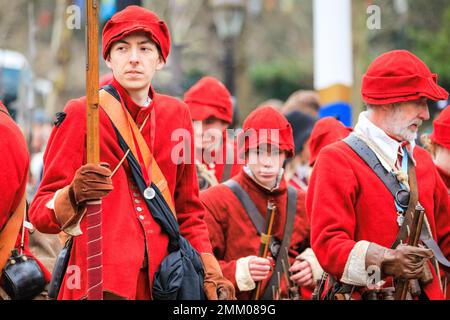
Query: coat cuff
x=355 y=272
x=66 y=214
x=244 y=280
x=309 y=256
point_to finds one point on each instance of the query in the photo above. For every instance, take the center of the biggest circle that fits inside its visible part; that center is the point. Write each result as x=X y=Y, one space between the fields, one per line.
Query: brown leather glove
x=216 y=286
x=404 y=262
x=91 y=182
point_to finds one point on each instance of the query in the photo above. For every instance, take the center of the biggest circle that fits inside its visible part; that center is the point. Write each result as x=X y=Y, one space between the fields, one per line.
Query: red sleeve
x=442 y=216
x=329 y=204
x=63 y=156
x=217 y=226
x=190 y=211
x=13 y=167
x=301 y=232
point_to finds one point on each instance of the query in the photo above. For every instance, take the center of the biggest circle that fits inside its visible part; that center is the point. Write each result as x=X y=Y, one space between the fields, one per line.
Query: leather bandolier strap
x=277 y=249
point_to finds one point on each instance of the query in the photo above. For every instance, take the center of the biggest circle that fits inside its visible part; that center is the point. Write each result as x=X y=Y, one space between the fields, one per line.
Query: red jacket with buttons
x=128 y=227
x=347 y=203
x=232 y=232
x=13 y=174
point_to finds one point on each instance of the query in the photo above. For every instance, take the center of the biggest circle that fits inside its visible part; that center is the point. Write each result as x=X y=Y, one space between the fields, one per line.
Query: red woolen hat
x=133 y=19
x=209 y=98
x=398 y=76
x=256 y=130
x=441 y=129
x=326 y=131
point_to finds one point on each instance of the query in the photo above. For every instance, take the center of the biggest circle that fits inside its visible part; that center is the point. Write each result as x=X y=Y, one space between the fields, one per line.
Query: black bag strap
x=158 y=207
x=401 y=196
x=283 y=255
x=62 y=261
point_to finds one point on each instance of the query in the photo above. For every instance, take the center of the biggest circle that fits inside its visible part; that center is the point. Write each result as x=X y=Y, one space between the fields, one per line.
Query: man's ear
x=108 y=62
x=160 y=64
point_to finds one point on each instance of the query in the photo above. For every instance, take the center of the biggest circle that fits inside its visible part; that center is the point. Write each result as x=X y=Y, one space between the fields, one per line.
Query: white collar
x=377 y=136
x=249 y=172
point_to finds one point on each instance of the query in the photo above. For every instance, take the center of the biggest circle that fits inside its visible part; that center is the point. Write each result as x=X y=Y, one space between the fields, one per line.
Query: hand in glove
x=216 y=286
x=91 y=182
x=406 y=262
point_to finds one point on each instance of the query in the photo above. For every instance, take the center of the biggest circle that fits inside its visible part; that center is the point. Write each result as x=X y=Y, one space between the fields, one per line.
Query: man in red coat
x=13 y=177
x=135 y=45
x=440 y=137
x=211 y=108
x=234 y=235
x=354 y=218
x=440 y=141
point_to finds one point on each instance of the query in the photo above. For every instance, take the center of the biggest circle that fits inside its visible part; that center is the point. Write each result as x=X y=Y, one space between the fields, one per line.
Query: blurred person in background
x=438 y=143
x=297 y=168
x=211 y=108
x=306 y=101
x=326 y=131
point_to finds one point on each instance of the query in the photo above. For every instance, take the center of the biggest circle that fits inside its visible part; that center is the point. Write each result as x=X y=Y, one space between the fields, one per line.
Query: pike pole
x=94 y=208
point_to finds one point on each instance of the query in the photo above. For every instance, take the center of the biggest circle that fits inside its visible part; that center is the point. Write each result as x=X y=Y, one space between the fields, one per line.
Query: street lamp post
x=229 y=18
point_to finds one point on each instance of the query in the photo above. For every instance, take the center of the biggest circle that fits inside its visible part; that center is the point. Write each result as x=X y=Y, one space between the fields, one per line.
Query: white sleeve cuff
x=51 y=203
x=73 y=230
x=244 y=280
x=309 y=256
x=355 y=272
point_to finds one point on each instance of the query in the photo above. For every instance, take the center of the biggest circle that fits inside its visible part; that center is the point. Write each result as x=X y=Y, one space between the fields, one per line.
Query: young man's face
x=403 y=119
x=208 y=133
x=134 y=61
x=265 y=164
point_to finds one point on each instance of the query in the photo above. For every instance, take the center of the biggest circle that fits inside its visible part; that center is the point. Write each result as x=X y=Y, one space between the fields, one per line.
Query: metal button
x=141 y=217
x=139 y=209
x=135 y=194
x=137 y=201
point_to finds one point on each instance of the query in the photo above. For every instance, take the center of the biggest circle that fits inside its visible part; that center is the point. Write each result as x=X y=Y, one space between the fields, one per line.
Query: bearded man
x=358 y=223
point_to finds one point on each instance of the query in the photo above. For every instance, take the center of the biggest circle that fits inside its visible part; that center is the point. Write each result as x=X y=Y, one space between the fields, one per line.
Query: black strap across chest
x=400 y=194
x=259 y=223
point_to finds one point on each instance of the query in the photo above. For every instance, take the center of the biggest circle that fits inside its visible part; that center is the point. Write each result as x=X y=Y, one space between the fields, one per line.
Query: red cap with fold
x=326 y=131
x=209 y=98
x=398 y=76
x=266 y=125
x=134 y=19
x=441 y=129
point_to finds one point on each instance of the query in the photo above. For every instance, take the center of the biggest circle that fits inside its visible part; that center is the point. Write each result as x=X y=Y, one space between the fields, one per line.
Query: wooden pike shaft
x=265 y=241
x=419 y=212
x=93 y=209
x=92 y=85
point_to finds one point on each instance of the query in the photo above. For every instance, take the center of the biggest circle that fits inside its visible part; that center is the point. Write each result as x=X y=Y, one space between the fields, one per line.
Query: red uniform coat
x=445 y=177
x=128 y=227
x=347 y=203
x=232 y=232
x=13 y=173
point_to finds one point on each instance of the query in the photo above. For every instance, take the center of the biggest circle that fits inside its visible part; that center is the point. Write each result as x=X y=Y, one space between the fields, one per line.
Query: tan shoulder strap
x=124 y=123
x=9 y=234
